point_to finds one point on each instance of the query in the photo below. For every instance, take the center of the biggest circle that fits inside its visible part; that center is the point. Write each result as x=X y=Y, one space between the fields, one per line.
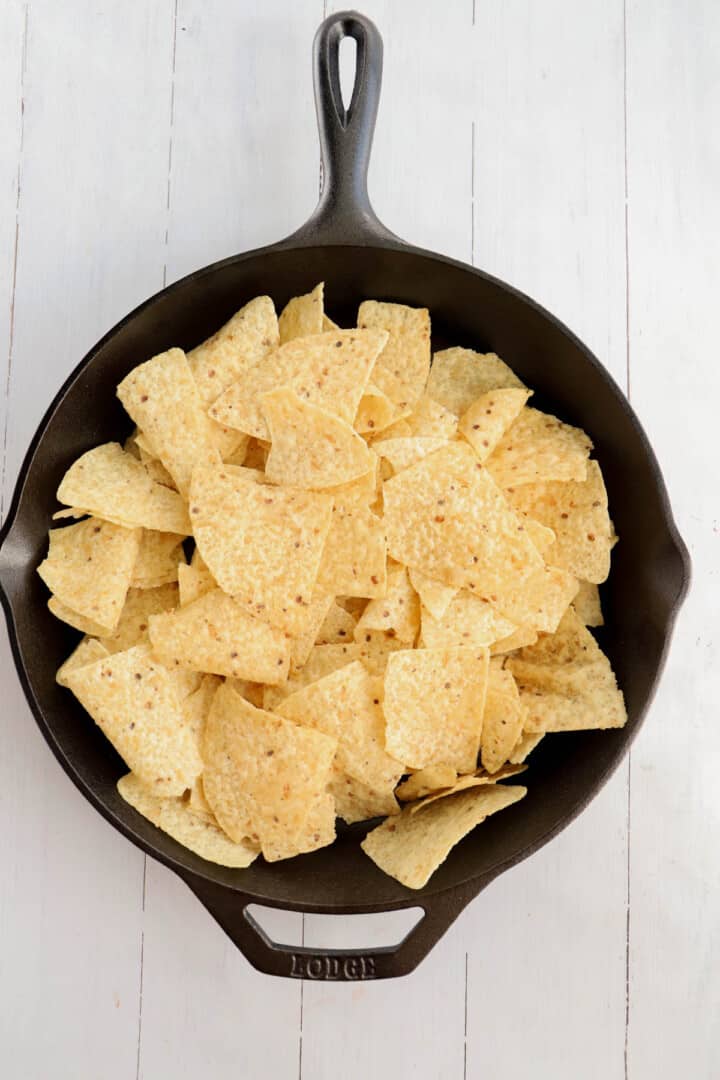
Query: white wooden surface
x=570 y=148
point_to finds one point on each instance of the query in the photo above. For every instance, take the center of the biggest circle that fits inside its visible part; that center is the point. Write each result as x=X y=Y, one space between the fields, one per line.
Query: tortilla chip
x=256 y=454
x=538 y=447
x=193 y=583
x=375 y=412
x=587 y=604
x=360 y=493
x=566 y=682
x=430 y=420
x=114 y=486
x=140 y=604
x=426 y=781
x=502 y=720
x=135 y=701
x=434 y=595
x=522 y=635
x=355 y=801
x=447 y=517
x=542 y=537
x=330 y=370
x=311 y=448
x=488 y=418
x=328 y=324
x=214 y=634
x=375 y=649
x=323 y=660
x=302 y=315
x=262 y=772
x=337 y=628
x=251 y=691
x=196 y=706
x=402 y=453
x=317 y=831
x=406 y=356
x=316 y=612
x=354 y=559
x=197 y=799
x=525 y=745
x=578 y=514
x=411 y=847
x=458 y=377
x=397 y=613
x=479 y=778
x=157 y=471
x=262 y=544
x=434 y=701
x=398 y=430
x=346 y=705
x=87 y=652
x=89 y=567
x=159 y=556
x=162 y=397
x=240 y=344
x=467 y=621
x=191 y=829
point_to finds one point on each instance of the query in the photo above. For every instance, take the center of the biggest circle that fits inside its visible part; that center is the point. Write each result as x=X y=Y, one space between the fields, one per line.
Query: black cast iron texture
x=346 y=246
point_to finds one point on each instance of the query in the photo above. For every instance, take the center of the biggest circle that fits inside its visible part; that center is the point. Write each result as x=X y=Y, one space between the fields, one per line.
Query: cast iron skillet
x=345 y=245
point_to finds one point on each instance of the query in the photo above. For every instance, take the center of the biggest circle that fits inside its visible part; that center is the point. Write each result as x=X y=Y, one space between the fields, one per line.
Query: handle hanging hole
x=347 y=63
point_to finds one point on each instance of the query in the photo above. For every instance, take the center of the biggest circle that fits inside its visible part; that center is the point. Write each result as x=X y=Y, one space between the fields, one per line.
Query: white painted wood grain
x=90 y=231
x=547 y=942
x=674 y=224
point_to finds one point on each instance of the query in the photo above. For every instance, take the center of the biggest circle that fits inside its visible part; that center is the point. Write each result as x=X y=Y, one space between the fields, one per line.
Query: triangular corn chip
x=140 y=604
x=114 y=486
x=354 y=559
x=434 y=595
x=479 y=778
x=337 y=627
x=375 y=412
x=243 y=341
x=406 y=355
x=459 y=376
x=158 y=559
x=397 y=613
x=467 y=621
x=329 y=369
x=425 y=781
x=538 y=447
x=302 y=315
x=489 y=417
x=87 y=652
x=311 y=447
x=587 y=604
x=402 y=453
x=502 y=719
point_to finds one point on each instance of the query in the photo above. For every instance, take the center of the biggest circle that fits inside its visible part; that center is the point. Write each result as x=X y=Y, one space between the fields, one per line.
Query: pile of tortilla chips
x=326 y=579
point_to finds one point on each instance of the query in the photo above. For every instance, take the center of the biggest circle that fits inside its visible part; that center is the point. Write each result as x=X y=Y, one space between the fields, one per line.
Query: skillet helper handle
x=230 y=910
x=344 y=214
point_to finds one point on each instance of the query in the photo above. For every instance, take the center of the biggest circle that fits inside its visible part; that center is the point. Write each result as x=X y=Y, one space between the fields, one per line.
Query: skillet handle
x=344 y=214
x=229 y=909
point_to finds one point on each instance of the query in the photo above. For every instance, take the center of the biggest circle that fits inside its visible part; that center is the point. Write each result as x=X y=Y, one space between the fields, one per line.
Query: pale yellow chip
x=89 y=567
x=330 y=370
x=196 y=706
x=262 y=544
x=134 y=624
x=376 y=648
x=375 y=412
x=323 y=660
x=158 y=559
x=354 y=559
x=426 y=781
x=538 y=447
x=435 y=596
x=162 y=398
x=406 y=356
x=355 y=801
x=316 y=613
x=578 y=514
x=328 y=324
x=410 y=847
x=447 y=517
x=400 y=429
x=566 y=682
x=542 y=537
x=467 y=621
x=360 y=493
x=302 y=315
x=251 y=691
x=317 y=831
x=459 y=376
x=311 y=447
x=434 y=700
x=136 y=702
x=522 y=635
x=480 y=778
x=337 y=627
x=430 y=420
x=525 y=745
x=502 y=720
x=240 y=344
x=114 y=486
x=347 y=705
x=489 y=417
x=214 y=634
x=546 y=598
x=401 y=453
x=87 y=652
x=397 y=613
x=182 y=821
x=197 y=800
x=262 y=772
x=194 y=582
x=587 y=604
x=157 y=472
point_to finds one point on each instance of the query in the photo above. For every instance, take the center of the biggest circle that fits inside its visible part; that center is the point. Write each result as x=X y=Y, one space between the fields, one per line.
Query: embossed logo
x=332 y=967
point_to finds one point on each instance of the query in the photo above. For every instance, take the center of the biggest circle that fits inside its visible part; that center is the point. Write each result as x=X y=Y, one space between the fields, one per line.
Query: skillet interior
x=467 y=308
